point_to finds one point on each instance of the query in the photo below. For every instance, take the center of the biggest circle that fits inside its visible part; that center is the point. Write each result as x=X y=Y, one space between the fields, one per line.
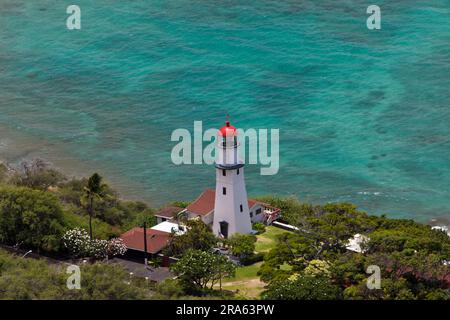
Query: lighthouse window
x=240 y=207
x=251 y=214
x=224 y=173
x=224 y=191
x=237 y=171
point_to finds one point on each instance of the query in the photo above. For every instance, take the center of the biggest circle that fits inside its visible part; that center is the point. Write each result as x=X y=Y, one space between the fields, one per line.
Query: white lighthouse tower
x=231 y=212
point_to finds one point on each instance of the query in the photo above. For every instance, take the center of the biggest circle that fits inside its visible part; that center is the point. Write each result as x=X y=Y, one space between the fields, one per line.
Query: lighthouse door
x=224 y=228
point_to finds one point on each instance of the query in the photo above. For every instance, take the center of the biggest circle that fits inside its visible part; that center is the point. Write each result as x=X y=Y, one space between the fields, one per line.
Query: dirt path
x=250 y=288
x=253 y=282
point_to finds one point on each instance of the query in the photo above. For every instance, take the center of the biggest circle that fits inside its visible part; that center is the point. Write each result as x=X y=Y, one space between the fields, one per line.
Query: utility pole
x=145 y=243
x=220 y=277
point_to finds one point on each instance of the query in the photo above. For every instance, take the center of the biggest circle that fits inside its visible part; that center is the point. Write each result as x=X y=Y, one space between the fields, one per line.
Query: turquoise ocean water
x=364 y=116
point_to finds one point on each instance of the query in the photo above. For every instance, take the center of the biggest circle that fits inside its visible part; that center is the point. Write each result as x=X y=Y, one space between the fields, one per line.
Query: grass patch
x=245 y=273
x=268 y=240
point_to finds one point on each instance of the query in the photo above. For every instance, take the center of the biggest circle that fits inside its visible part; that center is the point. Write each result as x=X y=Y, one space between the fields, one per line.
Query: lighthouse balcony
x=228 y=145
x=232 y=166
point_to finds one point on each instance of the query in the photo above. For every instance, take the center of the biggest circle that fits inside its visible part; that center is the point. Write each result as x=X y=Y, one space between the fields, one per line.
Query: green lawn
x=267 y=240
x=245 y=273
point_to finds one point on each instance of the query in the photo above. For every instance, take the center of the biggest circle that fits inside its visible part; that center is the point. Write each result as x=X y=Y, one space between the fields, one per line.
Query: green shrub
x=260 y=227
x=30 y=217
x=251 y=259
x=169 y=289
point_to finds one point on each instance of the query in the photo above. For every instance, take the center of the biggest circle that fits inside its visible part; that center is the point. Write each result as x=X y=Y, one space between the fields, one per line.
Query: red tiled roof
x=252 y=202
x=156 y=240
x=169 y=212
x=204 y=204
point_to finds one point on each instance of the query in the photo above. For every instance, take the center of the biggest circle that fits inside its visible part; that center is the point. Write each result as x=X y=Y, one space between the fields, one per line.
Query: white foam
x=442 y=228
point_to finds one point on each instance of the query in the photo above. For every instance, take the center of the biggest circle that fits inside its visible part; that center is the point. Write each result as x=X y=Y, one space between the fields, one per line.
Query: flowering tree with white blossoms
x=116 y=247
x=98 y=248
x=79 y=244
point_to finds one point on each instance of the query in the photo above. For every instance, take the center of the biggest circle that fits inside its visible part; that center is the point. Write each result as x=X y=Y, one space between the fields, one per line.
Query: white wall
x=208 y=219
x=160 y=220
x=227 y=207
x=257 y=217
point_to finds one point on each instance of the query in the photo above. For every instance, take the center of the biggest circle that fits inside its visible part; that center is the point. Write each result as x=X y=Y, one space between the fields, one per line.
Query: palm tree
x=93 y=190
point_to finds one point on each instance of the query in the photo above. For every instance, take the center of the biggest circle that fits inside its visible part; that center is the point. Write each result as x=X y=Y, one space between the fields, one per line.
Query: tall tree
x=93 y=190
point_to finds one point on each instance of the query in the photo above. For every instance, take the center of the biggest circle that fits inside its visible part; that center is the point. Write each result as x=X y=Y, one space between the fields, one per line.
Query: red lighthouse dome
x=228 y=130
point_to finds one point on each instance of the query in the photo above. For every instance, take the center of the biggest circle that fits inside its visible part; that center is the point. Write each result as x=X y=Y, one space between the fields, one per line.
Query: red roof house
x=167 y=214
x=156 y=240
